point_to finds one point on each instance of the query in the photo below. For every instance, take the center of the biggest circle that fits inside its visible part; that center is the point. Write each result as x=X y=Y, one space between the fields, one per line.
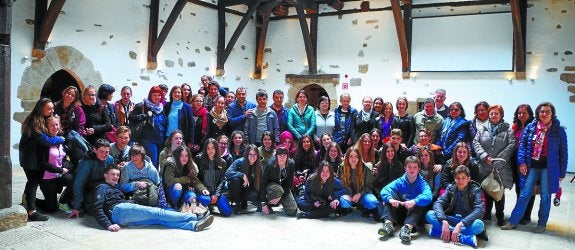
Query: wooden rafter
x=401 y=37
x=227 y=3
x=228 y=49
x=180 y=4
x=262 y=22
x=518 y=11
x=309 y=50
x=45 y=20
x=153 y=33
x=221 y=40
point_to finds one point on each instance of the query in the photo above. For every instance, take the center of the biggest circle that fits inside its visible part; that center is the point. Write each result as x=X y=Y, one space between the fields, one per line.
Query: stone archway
x=315 y=86
x=58 y=81
x=62 y=59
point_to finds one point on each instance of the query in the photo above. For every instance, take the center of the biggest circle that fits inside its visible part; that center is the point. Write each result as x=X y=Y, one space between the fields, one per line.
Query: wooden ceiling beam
x=401 y=37
x=153 y=33
x=176 y=11
x=228 y=49
x=45 y=21
x=309 y=50
x=518 y=14
x=262 y=21
x=215 y=7
x=220 y=71
x=227 y=3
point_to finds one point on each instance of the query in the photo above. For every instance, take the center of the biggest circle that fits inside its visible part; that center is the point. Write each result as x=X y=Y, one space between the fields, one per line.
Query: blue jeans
x=368 y=201
x=535 y=175
x=176 y=195
x=474 y=229
x=130 y=214
x=153 y=151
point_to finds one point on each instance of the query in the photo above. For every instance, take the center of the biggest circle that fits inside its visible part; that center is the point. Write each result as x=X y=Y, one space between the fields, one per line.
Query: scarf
x=539 y=139
x=220 y=119
x=156 y=108
x=202 y=112
x=365 y=115
x=493 y=129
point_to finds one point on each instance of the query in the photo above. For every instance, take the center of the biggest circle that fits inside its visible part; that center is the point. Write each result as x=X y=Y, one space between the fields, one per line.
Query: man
x=124 y=106
x=261 y=119
x=112 y=210
x=205 y=81
x=119 y=149
x=280 y=109
x=212 y=95
x=239 y=110
x=90 y=173
x=429 y=119
x=456 y=215
x=440 y=106
x=366 y=119
x=405 y=200
x=400 y=149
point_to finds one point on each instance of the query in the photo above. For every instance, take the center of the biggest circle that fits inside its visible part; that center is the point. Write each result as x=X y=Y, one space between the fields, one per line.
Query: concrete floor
x=255 y=231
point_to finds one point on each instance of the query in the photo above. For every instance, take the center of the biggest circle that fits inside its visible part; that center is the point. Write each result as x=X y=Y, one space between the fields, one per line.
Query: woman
x=237 y=147
x=30 y=142
x=542 y=157
x=97 y=120
x=218 y=119
x=387 y=170
x=286 y=140
x=375 y=134
x=357 y=178
x=151 y=111
x=480 y=118
x=212 y=168
x=70 y=111
x=324 y=141
x=321 y=195
x=428 y=171
x=404 y=121
x=180 y=116
x=334 y=156
x=343 y=116
x=276 y=182
x=175 y=140
x=378 y=106
x=223 y=148
x=495 y=140
x=200 y=123
x=186 y=93
x=387 y=119
x=301 y=117
x=304 y=158
x=267 y=149
x=523 y=115
x=324 y=119
x=424 y=140
x=180 y=180
x=244 y=177
x=105 y=95
x=365 y=147
x=56 y=175
x=460 y=156
x=455 y=129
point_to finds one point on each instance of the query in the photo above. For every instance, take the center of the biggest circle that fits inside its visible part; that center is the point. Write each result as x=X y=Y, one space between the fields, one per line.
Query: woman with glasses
x=223 y=148
x=455 y=129
x=244 y=176
x=494 y=144
x=542 y=157
x=97 y=120
x=276 y=182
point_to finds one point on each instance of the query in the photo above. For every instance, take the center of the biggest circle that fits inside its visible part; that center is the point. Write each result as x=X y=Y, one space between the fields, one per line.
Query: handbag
x=137 y=130
x=492 y=185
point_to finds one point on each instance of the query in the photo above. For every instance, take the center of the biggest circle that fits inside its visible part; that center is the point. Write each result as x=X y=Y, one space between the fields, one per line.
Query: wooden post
x=5 y=93
x=221 y=40
x=401 y=37
x=312 y=64
x=168 y=26
x=518 y=13
x=153 y=33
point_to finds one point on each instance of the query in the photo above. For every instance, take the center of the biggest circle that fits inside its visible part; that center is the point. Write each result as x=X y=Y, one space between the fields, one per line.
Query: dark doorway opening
x=58 y=81
x=314 y=92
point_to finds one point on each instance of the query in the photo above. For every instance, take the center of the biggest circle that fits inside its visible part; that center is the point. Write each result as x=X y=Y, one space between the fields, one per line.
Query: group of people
x=187 y=155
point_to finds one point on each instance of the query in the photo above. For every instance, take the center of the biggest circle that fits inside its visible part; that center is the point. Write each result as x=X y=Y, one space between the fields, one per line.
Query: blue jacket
x=185 y=120
x=453 y=132
x=106 y=197
x=89 y=174
x=130 y=174
x=236 y=115
x=417 y=191
x=251 y=126
x=556 y=151
x=342 y=134
x=300 y=125
x=284 y=116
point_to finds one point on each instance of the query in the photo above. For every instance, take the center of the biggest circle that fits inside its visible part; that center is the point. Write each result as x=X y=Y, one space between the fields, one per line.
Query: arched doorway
x=314 y=92
x=58 y=81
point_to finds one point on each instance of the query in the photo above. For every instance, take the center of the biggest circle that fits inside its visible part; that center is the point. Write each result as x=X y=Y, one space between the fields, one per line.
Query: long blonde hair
x=346 y=170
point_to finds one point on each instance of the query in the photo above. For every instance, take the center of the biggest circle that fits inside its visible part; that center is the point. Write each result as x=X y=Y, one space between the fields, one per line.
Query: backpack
x=148 y=196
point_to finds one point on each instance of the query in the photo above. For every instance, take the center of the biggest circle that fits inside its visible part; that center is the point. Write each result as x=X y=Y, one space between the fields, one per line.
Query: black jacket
x=272 y=175
x=106 y=197
x=471 y=199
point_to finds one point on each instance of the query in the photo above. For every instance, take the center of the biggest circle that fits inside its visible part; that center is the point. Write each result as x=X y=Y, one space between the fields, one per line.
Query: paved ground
x=255 y=231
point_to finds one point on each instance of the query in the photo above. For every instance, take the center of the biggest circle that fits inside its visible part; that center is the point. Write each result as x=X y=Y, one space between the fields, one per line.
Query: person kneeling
x=113 y=210
x=405 y=200
x=456 y=215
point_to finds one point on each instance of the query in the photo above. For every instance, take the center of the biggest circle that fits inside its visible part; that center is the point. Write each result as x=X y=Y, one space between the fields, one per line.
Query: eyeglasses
x=90 y=94
x=546 y=112
x=455 y=110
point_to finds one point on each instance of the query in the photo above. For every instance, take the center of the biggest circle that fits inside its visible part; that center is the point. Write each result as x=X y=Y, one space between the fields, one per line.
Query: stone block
x=28 y=92
x=571 y=88
x=569 y=68
x=572 y=98
x=12 y=217
x=363 y=68
x=355 y=82
x=568 y=77
x=28 y=105
x=20 y=116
